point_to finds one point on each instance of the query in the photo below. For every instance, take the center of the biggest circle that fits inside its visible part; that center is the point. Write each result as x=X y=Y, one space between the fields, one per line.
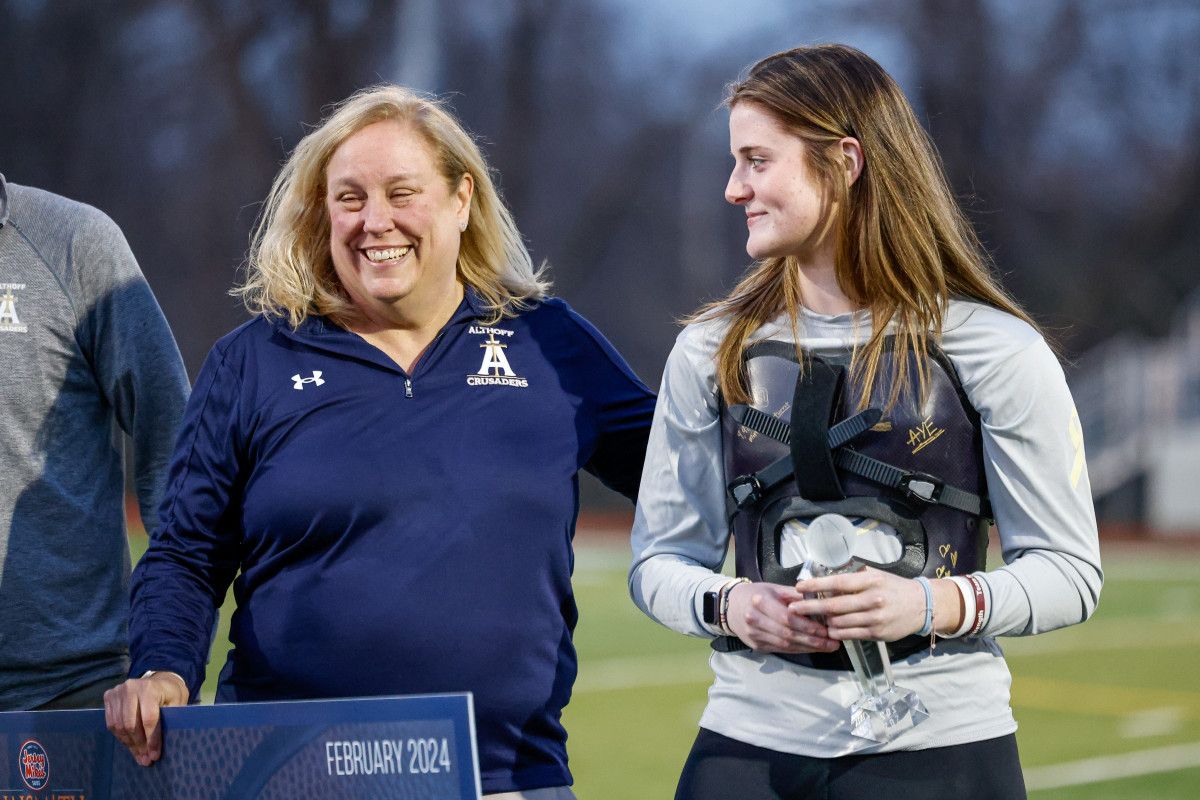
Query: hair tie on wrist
x=966 y=596
x=927 y=628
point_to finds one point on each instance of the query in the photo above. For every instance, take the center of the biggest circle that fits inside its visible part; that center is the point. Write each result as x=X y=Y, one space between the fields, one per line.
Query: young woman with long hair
x=869 y=372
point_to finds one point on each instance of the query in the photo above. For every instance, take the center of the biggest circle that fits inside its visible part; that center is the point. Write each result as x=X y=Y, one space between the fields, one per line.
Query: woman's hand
x=131 y=711
x=867 y=604
x=759 y=615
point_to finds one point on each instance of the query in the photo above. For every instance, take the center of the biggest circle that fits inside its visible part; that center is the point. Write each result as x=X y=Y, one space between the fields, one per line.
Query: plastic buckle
x=745 y=490
x=923 y=487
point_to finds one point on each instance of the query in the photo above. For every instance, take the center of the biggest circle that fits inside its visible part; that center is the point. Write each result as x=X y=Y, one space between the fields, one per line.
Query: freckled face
x=772 y=180
x=395 y=225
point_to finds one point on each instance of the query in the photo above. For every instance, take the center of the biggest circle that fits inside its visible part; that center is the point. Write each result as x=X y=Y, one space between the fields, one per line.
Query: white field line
x=637 y=672
x=601 y=558
x=1110 y=768
x=1117 y=634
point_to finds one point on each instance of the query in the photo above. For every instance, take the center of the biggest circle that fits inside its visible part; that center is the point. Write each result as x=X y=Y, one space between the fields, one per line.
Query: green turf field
x=1110 y=709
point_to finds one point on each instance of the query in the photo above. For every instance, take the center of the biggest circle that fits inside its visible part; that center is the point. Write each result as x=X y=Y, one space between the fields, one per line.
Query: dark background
x=1070 y=130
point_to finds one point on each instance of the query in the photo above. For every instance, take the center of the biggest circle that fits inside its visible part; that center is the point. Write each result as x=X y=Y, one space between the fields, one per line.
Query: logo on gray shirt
x=9 y=321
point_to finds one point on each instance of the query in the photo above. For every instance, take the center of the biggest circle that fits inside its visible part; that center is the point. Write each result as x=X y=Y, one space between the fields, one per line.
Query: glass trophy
x=882 y=709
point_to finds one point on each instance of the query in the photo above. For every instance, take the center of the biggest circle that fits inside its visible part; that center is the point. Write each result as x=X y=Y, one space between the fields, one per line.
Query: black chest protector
x=802 y=449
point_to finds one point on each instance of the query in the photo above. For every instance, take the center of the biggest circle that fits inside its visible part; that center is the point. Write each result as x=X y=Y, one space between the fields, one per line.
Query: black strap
x=762 y=422
x=780 y=431
x=918 y=485
x=837 y=660
x=749 y=488
x=813 y=403
x=728 y=644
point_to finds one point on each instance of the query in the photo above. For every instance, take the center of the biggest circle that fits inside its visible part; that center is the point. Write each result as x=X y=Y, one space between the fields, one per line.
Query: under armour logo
x=315 y=379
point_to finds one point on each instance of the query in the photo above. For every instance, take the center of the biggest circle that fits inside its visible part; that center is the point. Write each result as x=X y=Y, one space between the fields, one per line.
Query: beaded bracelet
x=723 y=605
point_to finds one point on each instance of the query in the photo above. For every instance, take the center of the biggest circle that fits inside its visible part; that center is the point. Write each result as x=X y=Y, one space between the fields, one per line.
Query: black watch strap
x=711 y=610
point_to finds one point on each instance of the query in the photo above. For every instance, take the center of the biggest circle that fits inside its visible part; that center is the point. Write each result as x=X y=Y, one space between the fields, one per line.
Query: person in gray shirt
x=85 y=354
x=951 y=410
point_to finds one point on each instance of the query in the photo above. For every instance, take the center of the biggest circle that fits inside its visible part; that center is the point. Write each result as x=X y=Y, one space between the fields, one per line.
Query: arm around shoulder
x=622 y=408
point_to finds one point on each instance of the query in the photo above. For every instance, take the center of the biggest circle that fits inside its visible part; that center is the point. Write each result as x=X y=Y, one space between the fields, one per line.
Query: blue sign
x=420 y=746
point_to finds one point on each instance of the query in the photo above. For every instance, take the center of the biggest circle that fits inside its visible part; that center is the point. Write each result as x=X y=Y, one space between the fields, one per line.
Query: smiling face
x=395 y=224
x=772 y=179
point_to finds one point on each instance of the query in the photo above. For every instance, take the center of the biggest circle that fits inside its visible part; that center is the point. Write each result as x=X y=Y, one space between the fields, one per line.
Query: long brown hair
x=904 y=247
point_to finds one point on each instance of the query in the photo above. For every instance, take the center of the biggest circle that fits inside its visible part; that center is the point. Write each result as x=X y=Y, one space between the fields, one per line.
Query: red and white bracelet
x=980 y=605
x=974 y=600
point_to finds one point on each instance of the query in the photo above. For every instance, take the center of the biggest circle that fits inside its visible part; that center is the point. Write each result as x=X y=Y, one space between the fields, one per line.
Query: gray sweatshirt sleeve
x=134 y=356
x=1041 y=498
x=680 y=536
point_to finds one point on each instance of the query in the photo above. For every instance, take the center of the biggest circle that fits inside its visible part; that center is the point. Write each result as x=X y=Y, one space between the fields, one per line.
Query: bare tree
x=1070 y=129
x=1054 y=131
x=173 y=117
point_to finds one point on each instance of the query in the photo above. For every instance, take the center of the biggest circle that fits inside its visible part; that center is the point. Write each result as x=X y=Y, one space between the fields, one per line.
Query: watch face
x=710 y=608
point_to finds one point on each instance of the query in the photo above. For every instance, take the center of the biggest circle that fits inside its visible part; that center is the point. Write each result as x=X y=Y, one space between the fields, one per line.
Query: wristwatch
x=712 y=608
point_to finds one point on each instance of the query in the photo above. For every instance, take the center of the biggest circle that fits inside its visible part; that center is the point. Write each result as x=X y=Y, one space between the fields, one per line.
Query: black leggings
x=720 y=768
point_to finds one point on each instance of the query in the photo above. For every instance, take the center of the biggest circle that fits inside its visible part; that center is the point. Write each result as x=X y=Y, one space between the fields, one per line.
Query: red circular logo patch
x=35 y=765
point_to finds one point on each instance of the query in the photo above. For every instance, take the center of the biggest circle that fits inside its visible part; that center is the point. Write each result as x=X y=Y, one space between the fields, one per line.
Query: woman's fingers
x=123 y=715
x=868 y=604
x=132 y=712
x=759 y=615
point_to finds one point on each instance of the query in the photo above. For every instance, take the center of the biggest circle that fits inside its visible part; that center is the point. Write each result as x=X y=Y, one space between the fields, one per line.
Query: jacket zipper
x=408 y=393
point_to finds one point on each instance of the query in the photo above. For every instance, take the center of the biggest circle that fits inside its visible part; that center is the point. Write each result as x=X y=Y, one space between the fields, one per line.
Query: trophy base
x=880 y=717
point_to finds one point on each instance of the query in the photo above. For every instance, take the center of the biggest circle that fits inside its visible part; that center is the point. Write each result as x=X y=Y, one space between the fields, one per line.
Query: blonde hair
x=289 y=270
x=904 y=247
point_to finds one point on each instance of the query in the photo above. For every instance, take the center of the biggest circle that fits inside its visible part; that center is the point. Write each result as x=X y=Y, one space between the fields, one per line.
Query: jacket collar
x=325 y=334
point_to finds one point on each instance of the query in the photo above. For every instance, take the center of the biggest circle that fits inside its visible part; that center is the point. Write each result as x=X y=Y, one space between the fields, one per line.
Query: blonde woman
x=868 y=372
x=388 y=453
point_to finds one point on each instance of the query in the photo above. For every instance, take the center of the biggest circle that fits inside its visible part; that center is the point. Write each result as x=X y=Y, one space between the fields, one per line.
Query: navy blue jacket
x=395 y=534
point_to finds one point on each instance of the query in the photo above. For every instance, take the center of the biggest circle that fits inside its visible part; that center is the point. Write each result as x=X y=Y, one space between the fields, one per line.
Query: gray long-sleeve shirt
x=85 y=353
x=1037 y=481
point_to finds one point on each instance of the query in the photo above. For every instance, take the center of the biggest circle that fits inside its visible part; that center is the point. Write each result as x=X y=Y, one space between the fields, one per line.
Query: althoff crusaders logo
x=9 y=321
x=35 y=765
x=495 y=369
